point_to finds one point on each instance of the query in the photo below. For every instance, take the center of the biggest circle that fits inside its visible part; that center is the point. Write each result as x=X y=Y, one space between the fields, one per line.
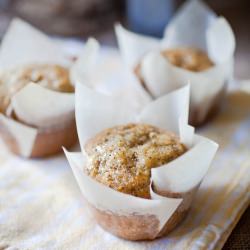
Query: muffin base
x=179 y=215
x=143 y=227
x=48 y=141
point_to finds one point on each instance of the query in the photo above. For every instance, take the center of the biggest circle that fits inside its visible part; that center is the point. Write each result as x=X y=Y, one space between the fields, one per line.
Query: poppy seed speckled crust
x=122 y=157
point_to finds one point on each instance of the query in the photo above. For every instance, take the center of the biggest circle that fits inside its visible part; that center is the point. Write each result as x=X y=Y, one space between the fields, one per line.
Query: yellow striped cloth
x=41 y=206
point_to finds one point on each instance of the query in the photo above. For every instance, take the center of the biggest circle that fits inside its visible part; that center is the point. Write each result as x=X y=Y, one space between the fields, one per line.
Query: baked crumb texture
x=122 y=157
x=51 y=76
x=188 y=58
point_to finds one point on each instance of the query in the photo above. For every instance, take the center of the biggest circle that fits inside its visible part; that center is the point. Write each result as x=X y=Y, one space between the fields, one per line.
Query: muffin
x=51 y=76
x=122 y=157
x=191 y=59
x=166 y=64
x=138 y=179
x=36 y=92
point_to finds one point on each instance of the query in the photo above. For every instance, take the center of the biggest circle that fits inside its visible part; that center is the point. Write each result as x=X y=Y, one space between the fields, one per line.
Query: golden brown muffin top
x=122 y=157
x=188 y=58
x=51 y=76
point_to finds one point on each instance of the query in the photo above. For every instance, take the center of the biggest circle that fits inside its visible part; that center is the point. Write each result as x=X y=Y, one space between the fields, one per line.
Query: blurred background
x=82 y=18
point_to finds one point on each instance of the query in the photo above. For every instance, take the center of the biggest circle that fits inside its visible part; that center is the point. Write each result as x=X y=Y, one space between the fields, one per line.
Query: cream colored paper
x=42 y=107
x=24 y=135
x=85 y=61
x=168 y=176
x=96 y=111
x=194 y=25
x=90 y=70
x=109 y=200
x=133 y=46
x=34 y=105
x=24 y=44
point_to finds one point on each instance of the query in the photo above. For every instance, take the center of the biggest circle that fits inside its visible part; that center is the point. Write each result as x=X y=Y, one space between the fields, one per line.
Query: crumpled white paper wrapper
x=93 y=73
x=34 y=105
x=96 y=111
x=194 y=25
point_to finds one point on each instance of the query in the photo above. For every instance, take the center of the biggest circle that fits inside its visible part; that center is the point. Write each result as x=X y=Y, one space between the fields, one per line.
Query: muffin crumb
x=122 y=157
x=188 y=58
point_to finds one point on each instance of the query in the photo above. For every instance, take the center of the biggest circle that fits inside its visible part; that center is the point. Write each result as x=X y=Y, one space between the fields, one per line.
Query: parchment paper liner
x=194 y=25
x=44 y=141
x=45 y=118
x=124 y=215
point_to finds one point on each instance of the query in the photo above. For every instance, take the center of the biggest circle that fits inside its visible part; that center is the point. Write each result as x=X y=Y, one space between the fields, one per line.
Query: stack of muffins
x=139 y=168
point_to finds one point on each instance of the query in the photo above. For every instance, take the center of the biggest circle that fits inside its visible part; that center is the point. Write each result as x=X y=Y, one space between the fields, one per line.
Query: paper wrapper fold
x=32 y=142
x=41 y=107
x=132 y=217
x=194 y=25
x=92 y=71
x=44 y=119
x=24 y=44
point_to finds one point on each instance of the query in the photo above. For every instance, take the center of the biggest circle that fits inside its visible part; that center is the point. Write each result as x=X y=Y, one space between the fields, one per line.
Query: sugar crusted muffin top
x=188 y=58
x=51 y=76
x=122 y=157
